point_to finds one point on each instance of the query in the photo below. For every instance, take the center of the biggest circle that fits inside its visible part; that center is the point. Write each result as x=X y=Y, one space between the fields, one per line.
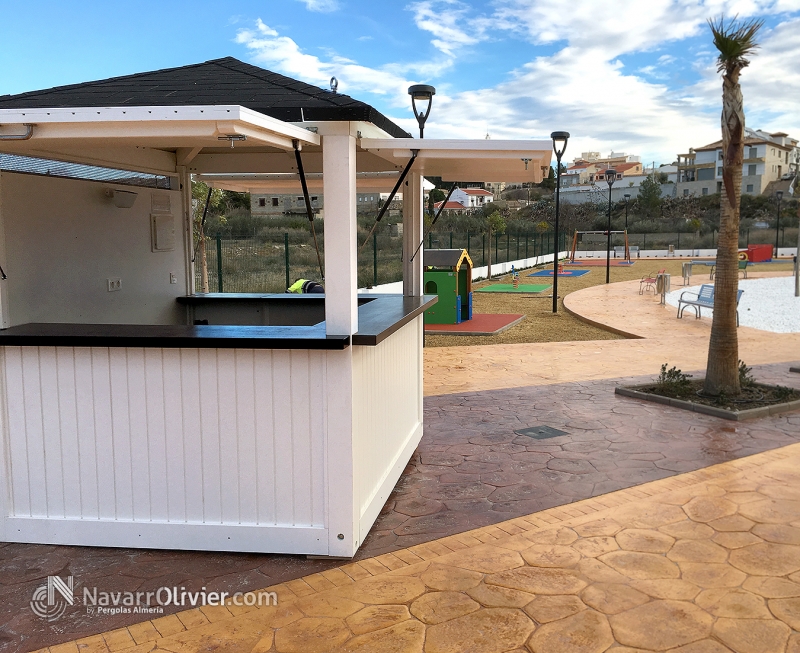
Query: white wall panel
x=225 y=437
x=64 y=239
x=387 y=382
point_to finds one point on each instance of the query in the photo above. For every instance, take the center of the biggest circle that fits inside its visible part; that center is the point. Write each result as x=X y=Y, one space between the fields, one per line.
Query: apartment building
x=767 y=158
x=590 y=168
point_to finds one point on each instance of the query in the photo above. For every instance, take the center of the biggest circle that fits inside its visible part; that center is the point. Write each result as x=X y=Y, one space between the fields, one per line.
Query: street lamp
x=627 y=197
x=423 y=93
x=611 y=177
x=559 y=146
x=779 y=197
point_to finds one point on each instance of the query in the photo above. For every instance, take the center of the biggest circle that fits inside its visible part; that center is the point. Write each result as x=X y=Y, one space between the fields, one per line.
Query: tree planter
x=636 y=392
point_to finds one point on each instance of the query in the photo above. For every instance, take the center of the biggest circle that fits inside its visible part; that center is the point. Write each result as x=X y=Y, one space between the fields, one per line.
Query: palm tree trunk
x=722 y=369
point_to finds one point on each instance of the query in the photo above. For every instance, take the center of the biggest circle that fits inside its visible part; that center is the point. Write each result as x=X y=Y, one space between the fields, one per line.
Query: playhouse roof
x=225 y=81
x=445 y=258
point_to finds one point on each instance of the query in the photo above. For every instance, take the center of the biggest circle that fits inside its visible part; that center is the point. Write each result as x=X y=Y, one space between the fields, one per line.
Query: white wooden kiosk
x=124 y=425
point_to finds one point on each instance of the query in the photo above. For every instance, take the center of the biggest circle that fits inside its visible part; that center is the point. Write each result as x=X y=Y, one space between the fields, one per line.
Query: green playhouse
x=448 y=274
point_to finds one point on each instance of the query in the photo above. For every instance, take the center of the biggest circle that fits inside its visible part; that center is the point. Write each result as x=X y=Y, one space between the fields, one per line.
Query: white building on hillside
x=471 y=198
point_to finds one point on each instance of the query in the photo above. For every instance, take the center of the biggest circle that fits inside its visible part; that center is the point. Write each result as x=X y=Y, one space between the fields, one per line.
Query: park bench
x=703 y=299
x=742 y=268
x=648 y=281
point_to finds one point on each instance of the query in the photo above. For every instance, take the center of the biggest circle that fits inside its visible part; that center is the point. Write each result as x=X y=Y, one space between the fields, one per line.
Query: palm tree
x=735 y=42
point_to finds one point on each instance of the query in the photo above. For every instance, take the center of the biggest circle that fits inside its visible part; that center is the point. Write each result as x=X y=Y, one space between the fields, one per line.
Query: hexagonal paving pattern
x=676 y=566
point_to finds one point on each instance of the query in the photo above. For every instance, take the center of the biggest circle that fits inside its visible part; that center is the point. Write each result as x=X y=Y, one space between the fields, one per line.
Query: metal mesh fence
x=248 y=263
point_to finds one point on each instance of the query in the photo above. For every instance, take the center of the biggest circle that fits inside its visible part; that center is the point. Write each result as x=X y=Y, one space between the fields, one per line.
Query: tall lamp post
x=611 y=177
x=627 y=197
x=779 y=197
x=423 y=93
x=559 y=146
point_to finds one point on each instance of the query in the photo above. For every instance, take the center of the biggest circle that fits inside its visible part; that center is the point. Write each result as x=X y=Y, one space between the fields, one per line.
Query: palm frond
x=735 y=40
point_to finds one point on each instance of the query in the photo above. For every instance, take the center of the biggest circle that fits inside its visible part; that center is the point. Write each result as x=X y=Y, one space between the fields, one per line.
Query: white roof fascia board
x=472 y=160
x=183 y=122
x=355 y=127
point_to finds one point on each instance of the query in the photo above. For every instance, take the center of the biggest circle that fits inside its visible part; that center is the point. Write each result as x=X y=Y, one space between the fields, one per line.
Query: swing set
x=598 y=233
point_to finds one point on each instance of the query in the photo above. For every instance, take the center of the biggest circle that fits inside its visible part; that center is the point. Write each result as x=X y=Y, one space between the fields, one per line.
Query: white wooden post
x=339 y=187
x=5 y=320
x=412 y=235
x=341 y=317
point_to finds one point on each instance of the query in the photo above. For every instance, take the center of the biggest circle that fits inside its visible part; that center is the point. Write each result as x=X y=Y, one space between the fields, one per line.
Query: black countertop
x=378 y=316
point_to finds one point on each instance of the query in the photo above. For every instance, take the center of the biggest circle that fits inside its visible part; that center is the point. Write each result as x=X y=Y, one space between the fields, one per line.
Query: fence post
x=467 y=242
x=508 y=246
x=483 y=249
x=679 y=240
x=497 y=248
x=374 y=259
x=286 y=256
x=451 y=240
x=748 y=238
x=430 y=240
x=219 y=262
x=644 y=245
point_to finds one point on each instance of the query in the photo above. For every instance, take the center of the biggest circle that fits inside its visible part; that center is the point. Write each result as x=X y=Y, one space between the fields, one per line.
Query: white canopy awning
x=466 y=160
x=143 y=135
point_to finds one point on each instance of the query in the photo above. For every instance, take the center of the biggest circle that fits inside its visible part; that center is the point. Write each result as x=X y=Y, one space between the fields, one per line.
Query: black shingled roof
x=219 y=81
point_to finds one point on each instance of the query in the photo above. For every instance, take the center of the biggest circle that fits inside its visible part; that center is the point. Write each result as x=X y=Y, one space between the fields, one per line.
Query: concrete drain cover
x=541 y=432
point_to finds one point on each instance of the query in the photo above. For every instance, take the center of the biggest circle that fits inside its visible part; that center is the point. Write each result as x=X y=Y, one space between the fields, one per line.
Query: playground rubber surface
x=509 y=287
x=485 y=324
x=563 y=273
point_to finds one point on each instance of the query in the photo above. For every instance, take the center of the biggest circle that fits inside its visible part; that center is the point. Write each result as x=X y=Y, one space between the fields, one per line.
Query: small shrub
x=673 y=379
x=746 y=379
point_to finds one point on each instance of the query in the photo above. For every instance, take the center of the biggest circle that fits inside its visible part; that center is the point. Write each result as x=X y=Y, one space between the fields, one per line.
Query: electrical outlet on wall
x=114 y=284
x=173 y=278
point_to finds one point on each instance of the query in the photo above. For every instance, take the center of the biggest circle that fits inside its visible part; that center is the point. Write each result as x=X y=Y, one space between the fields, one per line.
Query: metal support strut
x=400 y=181
x=309 y=210
x=435 y=218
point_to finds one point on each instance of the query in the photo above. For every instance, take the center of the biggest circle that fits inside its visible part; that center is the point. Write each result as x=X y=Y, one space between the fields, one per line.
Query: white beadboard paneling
x=189 y=437
x=387 y=385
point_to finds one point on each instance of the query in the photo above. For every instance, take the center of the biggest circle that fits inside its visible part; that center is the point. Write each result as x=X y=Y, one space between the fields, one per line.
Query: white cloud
x=582 y=84
x=283 y=54
x=453 y=24
x=321 y=6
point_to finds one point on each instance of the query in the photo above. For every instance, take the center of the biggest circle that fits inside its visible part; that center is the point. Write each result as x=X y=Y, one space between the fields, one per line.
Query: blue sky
x=633 y=76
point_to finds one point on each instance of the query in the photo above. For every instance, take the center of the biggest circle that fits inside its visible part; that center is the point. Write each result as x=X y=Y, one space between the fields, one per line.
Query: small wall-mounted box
x=114 y=284
x=162 y=228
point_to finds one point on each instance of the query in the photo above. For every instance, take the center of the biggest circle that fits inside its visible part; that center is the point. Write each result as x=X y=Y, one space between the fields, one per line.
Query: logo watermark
x=50 y=601
x=46 y=605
